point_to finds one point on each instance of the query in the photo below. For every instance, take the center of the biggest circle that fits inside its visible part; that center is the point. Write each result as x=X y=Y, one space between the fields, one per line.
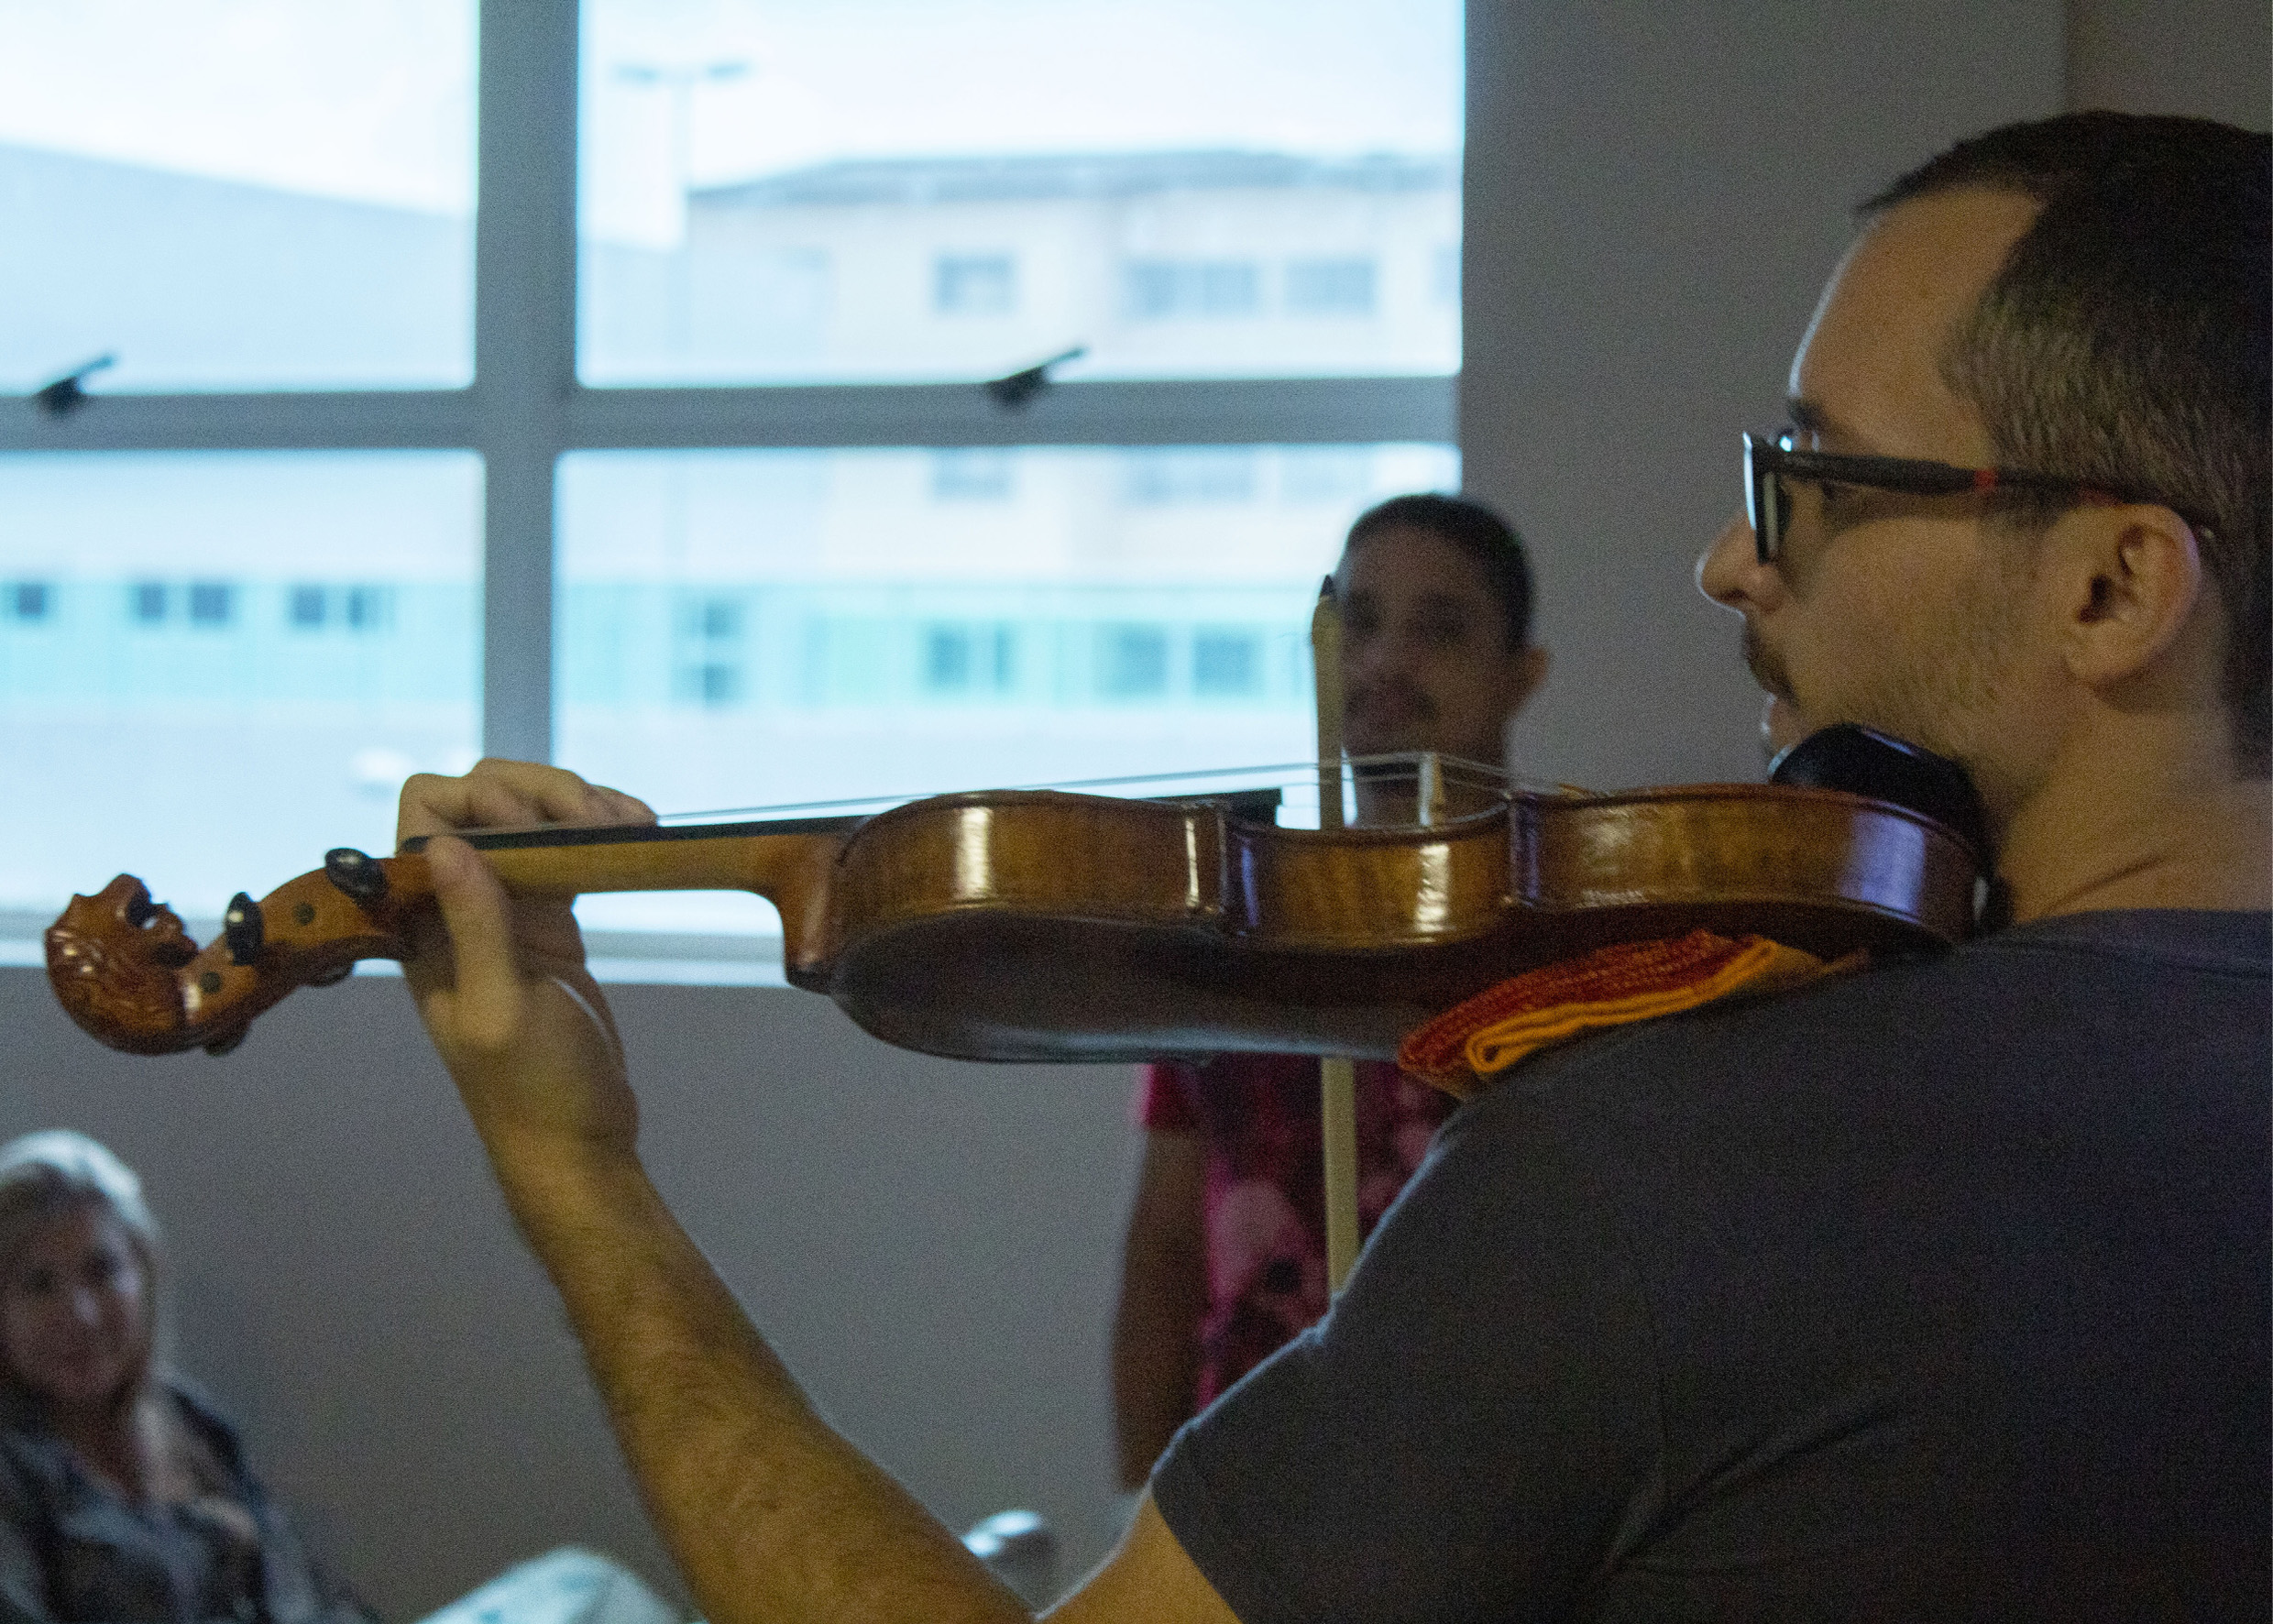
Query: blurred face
x=1904 y=613
x=1426 y=663
x=74 y=1320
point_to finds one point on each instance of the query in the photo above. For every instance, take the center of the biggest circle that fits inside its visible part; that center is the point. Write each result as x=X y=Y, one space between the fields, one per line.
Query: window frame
x=525 y=409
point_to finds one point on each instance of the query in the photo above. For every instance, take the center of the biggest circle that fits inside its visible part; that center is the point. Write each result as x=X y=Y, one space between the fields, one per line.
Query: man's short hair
x=1478 y=532
x=2125 y=340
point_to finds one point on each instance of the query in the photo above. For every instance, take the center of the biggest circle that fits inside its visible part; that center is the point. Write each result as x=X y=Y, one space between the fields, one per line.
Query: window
x=1310 y=474
x=1184 y=474
x=868 y=192
x=1160 y=289
x=210 y=602
x=27 y=600
x=1132 y=660
x=243 y=196
x=718 y=618
x=716 y=684
x=872 y=665
x=973 y=285
x=1330 y=287
x=364 y=609
x=980 y=474
x=755 y=594
x=1227 y=661
x=224 y=675
x=969 y=659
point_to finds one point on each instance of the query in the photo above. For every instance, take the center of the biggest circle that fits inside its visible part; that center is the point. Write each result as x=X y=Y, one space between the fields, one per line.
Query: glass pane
x=780 y=191
x=237 y=194
x=215 y=667
x=758 y=627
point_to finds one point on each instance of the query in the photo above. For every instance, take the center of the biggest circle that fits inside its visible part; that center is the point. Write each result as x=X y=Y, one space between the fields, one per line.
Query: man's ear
x=1527 y=668
x=2131 y=578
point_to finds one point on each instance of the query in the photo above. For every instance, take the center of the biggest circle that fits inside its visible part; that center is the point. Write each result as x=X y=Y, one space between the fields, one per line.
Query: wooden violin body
x=1041 y=925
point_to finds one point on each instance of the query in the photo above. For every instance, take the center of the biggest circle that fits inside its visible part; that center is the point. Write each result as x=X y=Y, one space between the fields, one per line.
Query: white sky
x=372 y=99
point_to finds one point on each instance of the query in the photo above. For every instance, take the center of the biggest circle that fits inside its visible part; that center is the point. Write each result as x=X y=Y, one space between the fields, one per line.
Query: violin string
x=1281 y=776
x=1296 y=775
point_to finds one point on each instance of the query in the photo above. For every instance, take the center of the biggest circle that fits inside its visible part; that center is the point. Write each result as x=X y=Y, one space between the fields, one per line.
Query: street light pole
x=679 y=79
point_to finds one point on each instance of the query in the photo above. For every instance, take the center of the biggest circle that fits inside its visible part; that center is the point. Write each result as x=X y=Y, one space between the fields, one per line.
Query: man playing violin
x=1225 y=1256
x=1939 y=1290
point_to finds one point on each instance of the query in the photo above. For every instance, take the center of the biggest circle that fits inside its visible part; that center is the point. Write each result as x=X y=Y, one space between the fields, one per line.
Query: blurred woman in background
x=123 y=1497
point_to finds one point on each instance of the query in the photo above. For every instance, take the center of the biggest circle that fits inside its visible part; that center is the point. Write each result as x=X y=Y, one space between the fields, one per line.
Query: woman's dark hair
x=1478 y=532
x=2125 y=340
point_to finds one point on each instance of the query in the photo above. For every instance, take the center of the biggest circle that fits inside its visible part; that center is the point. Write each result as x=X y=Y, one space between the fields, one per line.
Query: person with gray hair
x=123 y=1496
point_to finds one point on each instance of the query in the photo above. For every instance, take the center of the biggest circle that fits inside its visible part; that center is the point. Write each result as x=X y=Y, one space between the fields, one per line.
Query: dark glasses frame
x=1768 y=459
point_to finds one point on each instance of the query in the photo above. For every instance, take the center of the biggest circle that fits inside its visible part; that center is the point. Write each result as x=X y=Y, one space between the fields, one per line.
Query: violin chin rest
x=1864 y=761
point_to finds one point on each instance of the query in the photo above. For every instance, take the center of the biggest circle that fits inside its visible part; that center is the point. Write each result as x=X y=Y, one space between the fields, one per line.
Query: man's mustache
x=1766 y=666
x=1403 y=694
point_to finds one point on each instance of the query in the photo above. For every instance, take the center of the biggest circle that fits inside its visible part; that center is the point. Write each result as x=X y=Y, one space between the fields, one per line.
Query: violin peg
x=244 y=929
x=355 y=874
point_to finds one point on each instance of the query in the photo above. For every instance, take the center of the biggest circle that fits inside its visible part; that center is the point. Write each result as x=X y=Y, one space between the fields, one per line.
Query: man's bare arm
x=770 y=1514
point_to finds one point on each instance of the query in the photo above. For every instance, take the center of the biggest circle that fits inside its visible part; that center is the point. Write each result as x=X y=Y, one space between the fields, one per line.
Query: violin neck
x=786 y=866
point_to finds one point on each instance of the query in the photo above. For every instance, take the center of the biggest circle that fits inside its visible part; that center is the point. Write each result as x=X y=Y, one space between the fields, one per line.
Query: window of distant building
x=146 y=601
x=1309 y=474
x=1161 y=290
x=965 y=659
x=1225 y=661
x=1330 y=287
x=715 y=618
x=974 y=285
x=972 y=474
x=1132 y=660
x=28 y=600
x=711 y=683
x=211 y=602
x=364 y=609
x=1171 y=476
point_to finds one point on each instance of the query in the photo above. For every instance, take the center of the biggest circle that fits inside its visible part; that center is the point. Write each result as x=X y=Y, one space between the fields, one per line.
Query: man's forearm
x=769 y=1513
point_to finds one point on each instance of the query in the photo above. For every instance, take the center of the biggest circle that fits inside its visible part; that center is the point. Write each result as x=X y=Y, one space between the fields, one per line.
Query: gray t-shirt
x=1938 y=1292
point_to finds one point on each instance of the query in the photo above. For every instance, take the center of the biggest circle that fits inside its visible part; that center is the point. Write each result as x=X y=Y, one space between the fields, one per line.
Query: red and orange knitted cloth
x=1631 y=982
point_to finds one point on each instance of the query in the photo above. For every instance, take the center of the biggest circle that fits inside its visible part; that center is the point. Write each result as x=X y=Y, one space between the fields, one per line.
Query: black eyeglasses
x=1769 y=462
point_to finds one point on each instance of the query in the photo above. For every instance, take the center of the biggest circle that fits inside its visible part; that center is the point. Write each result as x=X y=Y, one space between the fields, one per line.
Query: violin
x=1037 y=925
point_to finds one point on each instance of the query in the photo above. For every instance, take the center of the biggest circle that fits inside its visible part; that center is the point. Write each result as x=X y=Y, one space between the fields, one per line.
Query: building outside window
x=973 y=285
x=211 y=602
x=1162 y=290
x=972 y=474
x=1227 y=661
x=1330 y=287
x=1132 y=660
x=893 y=594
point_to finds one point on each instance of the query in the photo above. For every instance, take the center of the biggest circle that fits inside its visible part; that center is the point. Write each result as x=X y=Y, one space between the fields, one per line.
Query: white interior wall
x=1655 y=194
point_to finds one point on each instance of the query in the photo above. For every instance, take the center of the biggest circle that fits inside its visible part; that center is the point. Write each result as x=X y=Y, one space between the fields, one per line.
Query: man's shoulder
x=2109 y=987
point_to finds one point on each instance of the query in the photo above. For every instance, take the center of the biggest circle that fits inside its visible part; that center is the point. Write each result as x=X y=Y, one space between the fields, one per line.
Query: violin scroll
x=129 y=975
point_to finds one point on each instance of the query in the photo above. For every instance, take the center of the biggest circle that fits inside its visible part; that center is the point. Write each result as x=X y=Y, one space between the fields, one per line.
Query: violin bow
x=1337 y=1077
